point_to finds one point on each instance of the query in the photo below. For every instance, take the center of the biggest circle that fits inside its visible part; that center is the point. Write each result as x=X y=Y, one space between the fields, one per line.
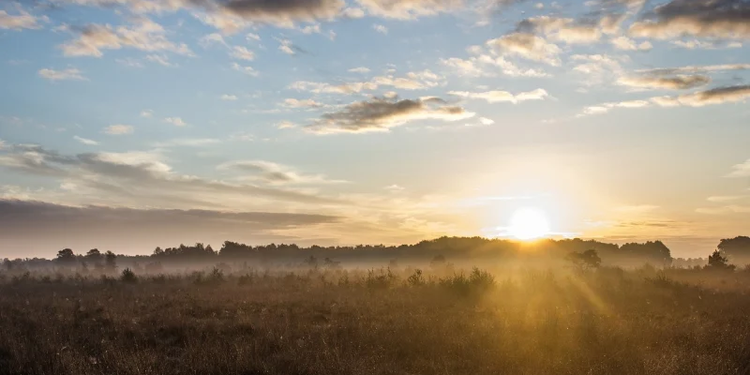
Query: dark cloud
x=33 y=226
x=380 y=114
x=680 y=82
x=701 y=18
x=717 y=96
x=283 y=11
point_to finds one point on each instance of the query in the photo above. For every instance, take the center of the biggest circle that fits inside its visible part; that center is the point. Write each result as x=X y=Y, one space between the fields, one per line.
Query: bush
x=128 y=276
x=380 y=279
x=416 y=279
x=476 y=283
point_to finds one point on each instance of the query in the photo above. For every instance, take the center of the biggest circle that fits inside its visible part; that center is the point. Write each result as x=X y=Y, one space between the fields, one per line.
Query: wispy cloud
x=380 y=28
x=740 y=170
x=85 y=141
x=62 y=75
x=21 y=20
x=503 y=96
x=118 y=129
x=176 y=121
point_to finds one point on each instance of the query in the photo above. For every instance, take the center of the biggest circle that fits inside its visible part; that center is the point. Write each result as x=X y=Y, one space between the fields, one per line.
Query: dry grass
x=350 y=322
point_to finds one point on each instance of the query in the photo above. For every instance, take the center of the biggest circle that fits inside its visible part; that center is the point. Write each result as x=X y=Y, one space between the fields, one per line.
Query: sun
x=528 y=224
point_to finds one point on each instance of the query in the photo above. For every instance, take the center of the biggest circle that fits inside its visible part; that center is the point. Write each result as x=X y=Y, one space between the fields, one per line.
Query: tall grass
x=381 y=321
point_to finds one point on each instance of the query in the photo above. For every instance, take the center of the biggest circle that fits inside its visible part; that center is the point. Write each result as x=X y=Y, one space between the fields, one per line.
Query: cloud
x=699 y=44
x=273 y=173
x=395 y=188
x=147 y=113
x=229 y=97
x=286 y=125
x=62 y=75
x=360 y=69
x=284 y=13
x=412 y=81
x=409 y=9
x=503 y=96
x=353 y=13
x=528 y=46
x=211 y=39
x=142 y=178
x=305 y=103
x=23 y=20
x=242 y=53
x=130 y=62
x=626 y=44
x=485 y=65
x=695 y=69
x=728 y=19
x=565 y=30
x=176 y=121
x=119 y=129
x=86 y=141
x=740 y=170
x=159 y=59
x=144 y=35
x=188 y=142
x=679 y=82
x=597 y=68
x=248 y=70
x=379 y=114
x=380 y=28
x=606 y=107
x=719 y=95
x=286 y=46
x=112 y=227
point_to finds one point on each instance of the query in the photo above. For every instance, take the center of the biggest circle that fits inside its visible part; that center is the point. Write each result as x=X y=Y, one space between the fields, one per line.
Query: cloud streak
x=380 y=114
x=503 y=96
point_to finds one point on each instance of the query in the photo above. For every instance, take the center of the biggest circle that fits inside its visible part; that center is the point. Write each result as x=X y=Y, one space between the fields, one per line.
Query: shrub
x=380 y=279
x=476 y=283
x=416 y=279
x=128 y=276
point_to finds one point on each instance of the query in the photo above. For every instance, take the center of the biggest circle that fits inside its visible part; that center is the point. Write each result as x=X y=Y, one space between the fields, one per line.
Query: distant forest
x=452 y=249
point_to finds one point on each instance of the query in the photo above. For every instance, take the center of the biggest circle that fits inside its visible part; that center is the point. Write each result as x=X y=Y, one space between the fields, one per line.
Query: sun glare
x=528 y=224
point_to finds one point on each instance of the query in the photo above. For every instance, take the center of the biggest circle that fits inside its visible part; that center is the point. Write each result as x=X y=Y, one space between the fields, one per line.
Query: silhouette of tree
x=95 y=257
x=66 y=256
x=586 y=260
x=110 y=261
x=736 y=249
x=718 y=261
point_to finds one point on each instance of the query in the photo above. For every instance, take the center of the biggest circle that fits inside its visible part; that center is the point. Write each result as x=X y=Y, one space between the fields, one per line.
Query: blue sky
x=375 y=121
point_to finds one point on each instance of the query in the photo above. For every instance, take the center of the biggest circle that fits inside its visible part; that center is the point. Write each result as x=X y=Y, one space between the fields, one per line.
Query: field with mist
x=532 y=312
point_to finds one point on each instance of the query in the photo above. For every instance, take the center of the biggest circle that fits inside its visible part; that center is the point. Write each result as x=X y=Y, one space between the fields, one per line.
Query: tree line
x=735 y=250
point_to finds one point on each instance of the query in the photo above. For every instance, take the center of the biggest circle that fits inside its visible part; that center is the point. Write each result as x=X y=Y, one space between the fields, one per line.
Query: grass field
x=605 y=321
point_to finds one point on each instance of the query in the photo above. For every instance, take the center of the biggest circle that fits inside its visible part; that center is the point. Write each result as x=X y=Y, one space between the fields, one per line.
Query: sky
x=131 y=124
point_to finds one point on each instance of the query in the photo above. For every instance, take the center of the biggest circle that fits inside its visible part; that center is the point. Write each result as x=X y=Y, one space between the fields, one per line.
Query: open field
x=605 y=321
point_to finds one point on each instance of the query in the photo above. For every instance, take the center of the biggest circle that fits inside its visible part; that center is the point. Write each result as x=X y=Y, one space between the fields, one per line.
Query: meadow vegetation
x=322 y=318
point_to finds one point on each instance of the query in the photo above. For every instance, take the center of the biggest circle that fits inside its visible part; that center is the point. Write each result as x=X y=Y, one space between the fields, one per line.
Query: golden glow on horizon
x=529 y=224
